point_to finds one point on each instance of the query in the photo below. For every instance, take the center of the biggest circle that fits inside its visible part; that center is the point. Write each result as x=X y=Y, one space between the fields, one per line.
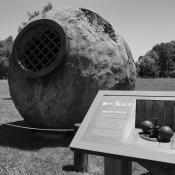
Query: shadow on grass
x=68 y=168
x=7 y=98
x=31 y=140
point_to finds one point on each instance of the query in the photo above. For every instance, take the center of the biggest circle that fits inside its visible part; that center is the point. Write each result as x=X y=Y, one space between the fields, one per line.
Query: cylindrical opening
x=39 y=47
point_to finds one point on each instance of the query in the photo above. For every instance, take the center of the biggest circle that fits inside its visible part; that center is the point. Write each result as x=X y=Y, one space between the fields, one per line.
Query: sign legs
x=113 y=166
x=80 y=159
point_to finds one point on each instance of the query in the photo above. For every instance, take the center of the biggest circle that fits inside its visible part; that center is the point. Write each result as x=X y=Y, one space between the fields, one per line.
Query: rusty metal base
x=153 y=139
x=147 y=137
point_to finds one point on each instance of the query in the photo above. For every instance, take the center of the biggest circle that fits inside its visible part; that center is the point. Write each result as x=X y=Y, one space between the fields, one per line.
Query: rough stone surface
x=98 y=59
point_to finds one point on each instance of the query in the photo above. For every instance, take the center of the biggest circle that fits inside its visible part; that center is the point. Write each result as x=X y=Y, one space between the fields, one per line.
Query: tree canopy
x=45 y=9
x=158 y=62
x=5 y=53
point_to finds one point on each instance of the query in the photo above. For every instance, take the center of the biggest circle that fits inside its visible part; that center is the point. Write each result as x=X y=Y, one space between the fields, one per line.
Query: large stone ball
x=59 y=62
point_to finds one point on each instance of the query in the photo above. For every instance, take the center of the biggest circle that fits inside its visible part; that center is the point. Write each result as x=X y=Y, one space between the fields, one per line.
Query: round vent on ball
x=39 y=47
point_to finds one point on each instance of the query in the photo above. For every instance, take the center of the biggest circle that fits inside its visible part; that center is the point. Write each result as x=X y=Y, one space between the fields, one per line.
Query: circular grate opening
x=40 y=50
x=40 y=46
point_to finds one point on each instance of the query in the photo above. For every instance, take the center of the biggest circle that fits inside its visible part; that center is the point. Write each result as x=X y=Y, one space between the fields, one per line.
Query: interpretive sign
x=112 y=119
x=111 y=126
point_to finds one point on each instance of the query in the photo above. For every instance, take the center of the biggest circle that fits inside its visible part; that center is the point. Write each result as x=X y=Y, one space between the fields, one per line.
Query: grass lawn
x=26 y=153
x=159 y=84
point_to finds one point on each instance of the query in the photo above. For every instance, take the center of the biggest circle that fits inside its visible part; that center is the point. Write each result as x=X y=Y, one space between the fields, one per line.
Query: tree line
x=159 y=62
x=5 y=53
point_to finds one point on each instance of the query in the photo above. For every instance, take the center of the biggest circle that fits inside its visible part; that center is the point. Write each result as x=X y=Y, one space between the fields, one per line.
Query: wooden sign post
x=117 y=166
x=111 y=128
x=80 y=159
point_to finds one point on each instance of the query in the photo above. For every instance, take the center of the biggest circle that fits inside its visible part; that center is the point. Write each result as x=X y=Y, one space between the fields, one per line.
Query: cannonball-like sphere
x=59 y=62
x=146 y=126
x=165 y=132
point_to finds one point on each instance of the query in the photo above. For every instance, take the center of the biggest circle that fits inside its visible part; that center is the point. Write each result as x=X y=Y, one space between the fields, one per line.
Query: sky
x=142 y=23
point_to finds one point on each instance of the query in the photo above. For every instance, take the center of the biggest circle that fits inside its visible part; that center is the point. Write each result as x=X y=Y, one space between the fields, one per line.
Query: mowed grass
x=24 y=152
x=159 y=84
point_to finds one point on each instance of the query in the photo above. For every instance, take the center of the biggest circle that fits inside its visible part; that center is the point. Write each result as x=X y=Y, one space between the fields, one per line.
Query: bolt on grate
x=39 y=48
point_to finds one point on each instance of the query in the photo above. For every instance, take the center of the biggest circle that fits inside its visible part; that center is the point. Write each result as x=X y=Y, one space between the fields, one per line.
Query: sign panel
x=111 y=120
x=110 y=126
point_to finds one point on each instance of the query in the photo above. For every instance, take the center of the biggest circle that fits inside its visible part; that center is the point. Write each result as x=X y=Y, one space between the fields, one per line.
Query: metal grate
x=38 y=48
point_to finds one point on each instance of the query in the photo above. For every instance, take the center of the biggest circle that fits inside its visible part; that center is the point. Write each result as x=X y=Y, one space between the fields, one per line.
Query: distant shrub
x=5 y=53
x=4 y=63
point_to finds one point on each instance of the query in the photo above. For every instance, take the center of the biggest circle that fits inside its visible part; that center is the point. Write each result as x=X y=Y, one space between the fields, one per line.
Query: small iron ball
x=146 y=126
x=165 y=133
